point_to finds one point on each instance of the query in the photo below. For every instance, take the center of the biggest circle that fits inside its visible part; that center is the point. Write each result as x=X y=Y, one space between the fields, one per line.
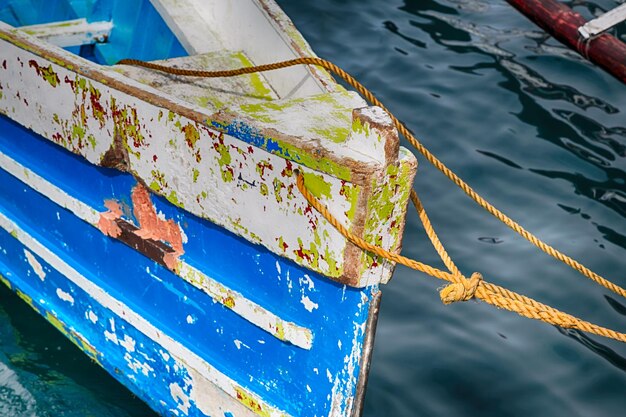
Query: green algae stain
x=278 y=186
x=128 y=126
x=244 y=230
x=351 y=194
x=5 y=281
x=92 y=141
x=196 y=174
x=317 y=185
x=173 y=198
x=260 y=88
x=224 y=161
x=97 y=110
x=261 y=111
x=191 y=135
x=359 y=127
x=337 y=134
x=282 y=244
x=312 y=161
x=47 y=73
x=78 y=132
x=264 y=189
x=310 y=256
x=158 y=181
x=262 y=166
x=387 y=206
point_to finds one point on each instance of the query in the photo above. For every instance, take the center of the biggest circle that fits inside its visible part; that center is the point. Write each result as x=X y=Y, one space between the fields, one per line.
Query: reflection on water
x=541 y=132
x=529 y=124
x=42 y=374
x=15 y=399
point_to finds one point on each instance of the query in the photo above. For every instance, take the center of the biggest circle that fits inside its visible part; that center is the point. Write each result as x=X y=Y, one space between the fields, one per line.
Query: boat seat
x=210 y=93
x=69 y=33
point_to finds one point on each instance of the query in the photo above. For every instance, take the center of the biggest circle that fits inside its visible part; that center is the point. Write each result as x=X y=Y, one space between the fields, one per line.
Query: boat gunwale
x=356 y=171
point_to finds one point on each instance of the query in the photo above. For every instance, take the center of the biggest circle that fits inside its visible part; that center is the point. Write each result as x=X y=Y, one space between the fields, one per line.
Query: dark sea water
x=537 y=131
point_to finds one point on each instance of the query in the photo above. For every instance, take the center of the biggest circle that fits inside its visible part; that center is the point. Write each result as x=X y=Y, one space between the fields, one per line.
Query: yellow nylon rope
x=461 y=288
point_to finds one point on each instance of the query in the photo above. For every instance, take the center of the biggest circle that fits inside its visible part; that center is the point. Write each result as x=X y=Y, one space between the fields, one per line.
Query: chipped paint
x=110 y=220
x=65 y=296
x=201 y=368
x=216 y=155
x=387 y=212
x=107 y=221
x=151 y=226
x=47 y=73
x=34 y=263
x=92 y=317
x=308 y=304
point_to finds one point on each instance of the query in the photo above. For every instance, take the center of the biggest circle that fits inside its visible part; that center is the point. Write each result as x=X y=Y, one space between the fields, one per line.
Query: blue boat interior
x=138 y=31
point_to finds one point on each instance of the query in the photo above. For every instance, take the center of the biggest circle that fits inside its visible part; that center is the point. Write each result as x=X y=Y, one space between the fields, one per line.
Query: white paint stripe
x=254 y=313
x=39 y=184
x=174 y=347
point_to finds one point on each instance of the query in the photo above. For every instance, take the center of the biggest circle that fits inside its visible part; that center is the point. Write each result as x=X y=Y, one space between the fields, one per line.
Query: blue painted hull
x=294 y=380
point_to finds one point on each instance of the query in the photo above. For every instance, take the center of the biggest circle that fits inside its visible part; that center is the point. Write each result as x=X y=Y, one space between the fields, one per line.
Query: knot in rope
x=463 y=290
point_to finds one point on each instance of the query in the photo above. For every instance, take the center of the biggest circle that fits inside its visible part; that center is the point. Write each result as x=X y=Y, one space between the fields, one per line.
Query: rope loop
x=464 y=290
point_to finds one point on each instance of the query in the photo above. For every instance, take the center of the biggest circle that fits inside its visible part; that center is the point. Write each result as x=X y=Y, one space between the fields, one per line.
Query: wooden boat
x=589 y=38
x=154 y=219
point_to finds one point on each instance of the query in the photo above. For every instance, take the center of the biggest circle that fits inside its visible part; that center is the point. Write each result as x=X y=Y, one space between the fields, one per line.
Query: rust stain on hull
x=151 y=226
x=160 y=240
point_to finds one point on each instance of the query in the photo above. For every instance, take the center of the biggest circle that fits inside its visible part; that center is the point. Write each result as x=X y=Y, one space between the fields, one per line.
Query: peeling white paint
x=190 y=319
x=65 y=296
x=306 y=280
x=346 y=380
x=136 y=366
x=128 y=343
x=254 y=313
x=180 y=397
x=52 y=192
x=111 y=335
x=91 y=316
x=308 y=304
x=34 y=263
